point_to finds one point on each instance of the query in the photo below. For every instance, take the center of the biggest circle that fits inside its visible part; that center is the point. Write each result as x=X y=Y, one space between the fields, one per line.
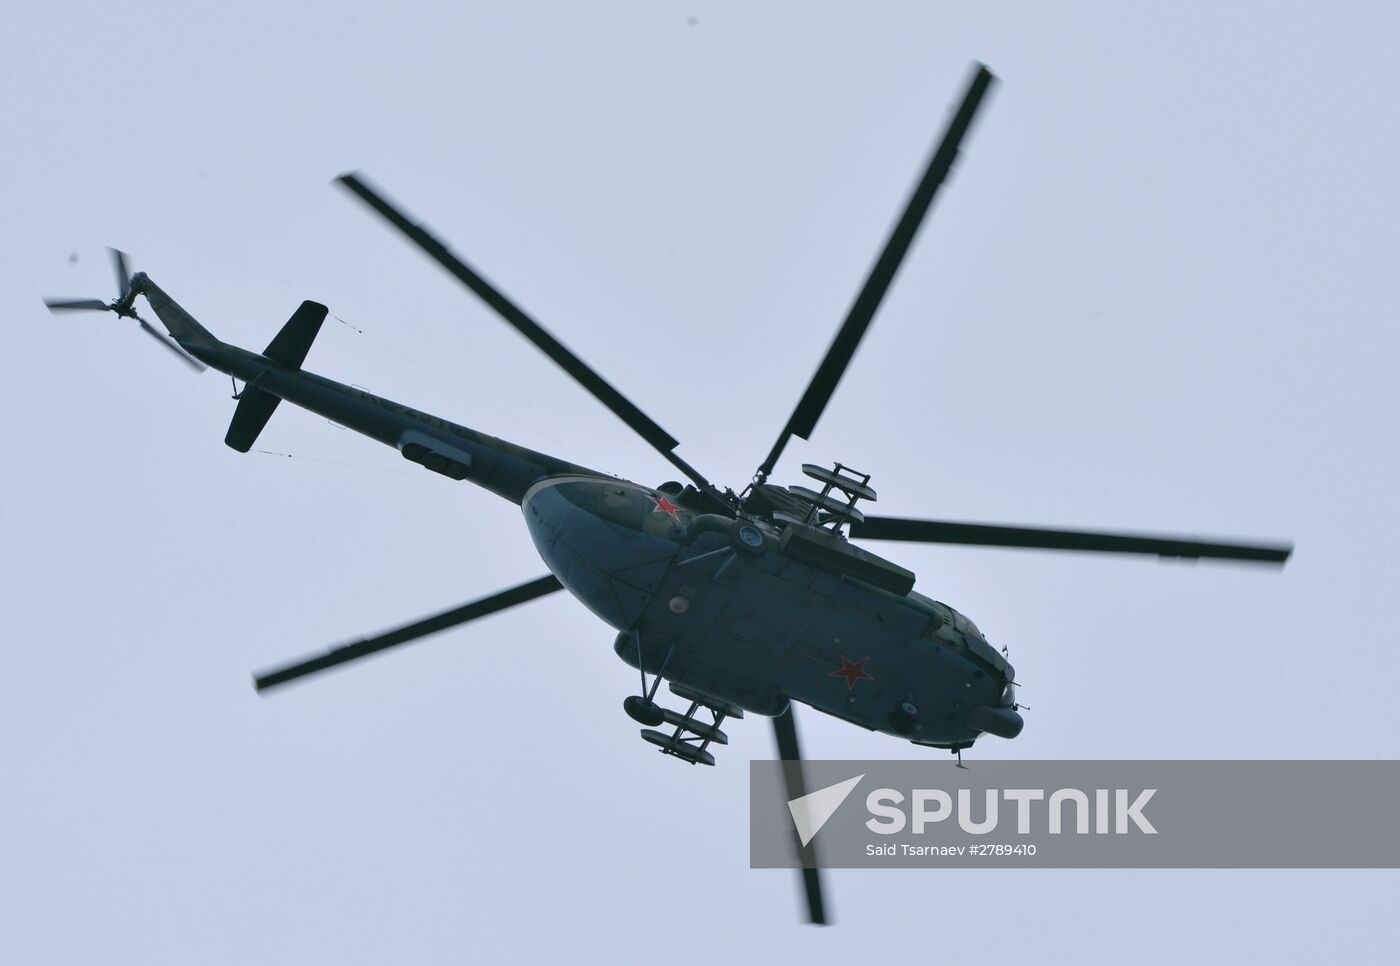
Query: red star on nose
x=664 y=505
x=852 y=671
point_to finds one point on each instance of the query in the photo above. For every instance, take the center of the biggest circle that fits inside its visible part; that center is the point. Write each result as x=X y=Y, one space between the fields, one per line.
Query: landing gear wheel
x=747 y=539
x=642 y=711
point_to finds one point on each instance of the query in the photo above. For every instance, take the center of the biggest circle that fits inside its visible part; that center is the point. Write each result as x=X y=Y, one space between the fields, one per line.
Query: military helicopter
x=741 y=602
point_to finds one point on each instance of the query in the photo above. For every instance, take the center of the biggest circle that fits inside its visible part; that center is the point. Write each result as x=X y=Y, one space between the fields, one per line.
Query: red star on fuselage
x=664 y=505
x=852 y=671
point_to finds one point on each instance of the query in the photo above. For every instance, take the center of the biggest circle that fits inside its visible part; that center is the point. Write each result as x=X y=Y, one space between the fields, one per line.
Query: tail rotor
x=124 y=305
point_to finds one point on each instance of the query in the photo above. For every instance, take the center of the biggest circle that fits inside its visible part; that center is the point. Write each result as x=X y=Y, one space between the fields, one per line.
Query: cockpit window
x=966 y=626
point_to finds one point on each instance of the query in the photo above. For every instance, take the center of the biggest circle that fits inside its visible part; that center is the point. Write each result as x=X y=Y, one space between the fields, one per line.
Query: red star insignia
x=664 y=505
x=852 y=671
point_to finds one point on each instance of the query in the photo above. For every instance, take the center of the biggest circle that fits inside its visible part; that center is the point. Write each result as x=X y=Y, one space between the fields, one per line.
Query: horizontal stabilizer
x=255 y=408
x=290 y=346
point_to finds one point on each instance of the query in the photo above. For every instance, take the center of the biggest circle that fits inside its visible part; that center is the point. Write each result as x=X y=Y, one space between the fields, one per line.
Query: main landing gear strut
x=692 y=737
x=642 y=708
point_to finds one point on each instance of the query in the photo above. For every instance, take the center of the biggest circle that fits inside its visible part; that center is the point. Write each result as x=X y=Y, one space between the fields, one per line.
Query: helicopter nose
x=1003 y=719
x=1004 y=722
x=584 y=532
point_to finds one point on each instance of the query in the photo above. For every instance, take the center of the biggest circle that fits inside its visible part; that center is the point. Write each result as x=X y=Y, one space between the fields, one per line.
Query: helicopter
x=741 y=602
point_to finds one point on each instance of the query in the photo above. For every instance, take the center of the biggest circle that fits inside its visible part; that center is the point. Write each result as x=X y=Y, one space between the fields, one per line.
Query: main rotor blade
x=785 y=732
x=409 y=632
x=843 y=347
x=123 y=270
x=76 y=305
x=180 y=354
x=984 y=535
x=621 y=406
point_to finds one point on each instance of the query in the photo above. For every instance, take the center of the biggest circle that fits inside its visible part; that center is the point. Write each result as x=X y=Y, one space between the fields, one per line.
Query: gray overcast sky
x=1159 y=293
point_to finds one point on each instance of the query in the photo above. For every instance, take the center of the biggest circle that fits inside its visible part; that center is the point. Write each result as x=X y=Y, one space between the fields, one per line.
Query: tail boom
x=180 y=324
x=275 y=374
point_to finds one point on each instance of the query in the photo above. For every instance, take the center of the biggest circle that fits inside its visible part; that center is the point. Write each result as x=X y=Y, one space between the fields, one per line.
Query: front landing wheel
x=642 y=711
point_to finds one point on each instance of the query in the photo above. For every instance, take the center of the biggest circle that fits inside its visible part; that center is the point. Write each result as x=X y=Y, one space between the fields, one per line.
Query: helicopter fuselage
x=752 y=627
x=748 y=626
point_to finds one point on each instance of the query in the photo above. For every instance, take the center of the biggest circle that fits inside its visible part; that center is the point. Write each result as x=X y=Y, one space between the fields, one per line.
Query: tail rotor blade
x=122 y=306
x=76 y=305
x=785 y=733
x=123 y=269
x=180 y=354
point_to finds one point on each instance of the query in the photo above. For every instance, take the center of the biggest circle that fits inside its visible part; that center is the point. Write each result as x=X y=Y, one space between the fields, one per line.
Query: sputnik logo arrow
x=811 y=811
